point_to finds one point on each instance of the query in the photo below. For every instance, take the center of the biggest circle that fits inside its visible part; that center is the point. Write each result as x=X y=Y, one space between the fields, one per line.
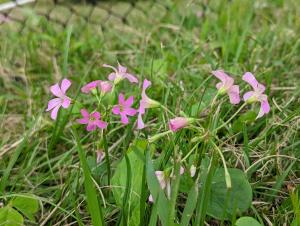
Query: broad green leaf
x=223 y=203
x=157 y=193
x=247 y=221
x=27 y=205
x=136 y=158
x=10 y=217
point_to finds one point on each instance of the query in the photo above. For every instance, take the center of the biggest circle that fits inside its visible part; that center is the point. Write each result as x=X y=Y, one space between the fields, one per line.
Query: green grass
x=176 y=50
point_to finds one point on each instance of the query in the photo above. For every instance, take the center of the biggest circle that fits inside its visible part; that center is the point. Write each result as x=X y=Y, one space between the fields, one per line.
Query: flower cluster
x=124 y=108
x=257 y=95
x=100 y=115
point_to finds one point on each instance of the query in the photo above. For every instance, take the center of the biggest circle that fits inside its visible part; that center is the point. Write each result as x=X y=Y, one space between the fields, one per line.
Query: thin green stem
x=107 y=159
x=235 y=114
x=227 y=175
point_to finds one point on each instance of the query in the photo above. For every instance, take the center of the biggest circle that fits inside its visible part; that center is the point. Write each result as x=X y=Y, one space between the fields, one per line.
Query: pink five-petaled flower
x=226 y=86
x=120 y=74
x=92 y=120
x=62 y=100
x=178 y=123
x=145 y=103
x=104 y=86
x=124 y=108
x=257 y=94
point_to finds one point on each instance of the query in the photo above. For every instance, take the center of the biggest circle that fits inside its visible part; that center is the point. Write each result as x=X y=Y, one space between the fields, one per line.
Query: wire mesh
x=23 y=14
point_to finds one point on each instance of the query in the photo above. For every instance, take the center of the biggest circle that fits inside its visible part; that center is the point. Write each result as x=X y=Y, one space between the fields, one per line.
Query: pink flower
x=145 y=103
x=257 y=95
x=100 y=156
x=90 y=86
x=104 y=86
x=124 y=108
x=226 y=86
x=62 y=100
x=92 y=120
x=120 y=74
x=179 y=122
x=164 y=183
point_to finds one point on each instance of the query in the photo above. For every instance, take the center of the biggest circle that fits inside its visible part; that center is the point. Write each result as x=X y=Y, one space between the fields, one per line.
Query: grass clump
x=247 y=168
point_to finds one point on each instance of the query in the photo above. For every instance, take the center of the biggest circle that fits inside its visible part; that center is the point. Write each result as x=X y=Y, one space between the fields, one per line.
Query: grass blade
x=190 y=205
x=157 y=193
x=91 y=192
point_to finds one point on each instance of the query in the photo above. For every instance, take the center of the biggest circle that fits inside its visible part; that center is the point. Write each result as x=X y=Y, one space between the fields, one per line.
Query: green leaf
x=206 y=100
x=245 y=118
x=135 y=155
x=91 y=193
x=27 y=205
x=247 y=221
x=223 y=204
x=157 y=193
x=190 y=205
x=10 y=217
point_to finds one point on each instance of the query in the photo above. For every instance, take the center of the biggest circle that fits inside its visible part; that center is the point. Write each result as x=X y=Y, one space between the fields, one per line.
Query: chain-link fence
x=23 y=14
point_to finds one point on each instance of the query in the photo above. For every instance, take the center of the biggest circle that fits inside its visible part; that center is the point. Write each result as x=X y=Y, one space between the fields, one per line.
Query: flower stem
x=167 y=110
x=107 y=158
x=227 y=175
x=225 y=123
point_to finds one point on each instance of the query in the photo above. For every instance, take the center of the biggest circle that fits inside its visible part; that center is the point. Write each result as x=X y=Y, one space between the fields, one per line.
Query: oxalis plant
x=181 y=187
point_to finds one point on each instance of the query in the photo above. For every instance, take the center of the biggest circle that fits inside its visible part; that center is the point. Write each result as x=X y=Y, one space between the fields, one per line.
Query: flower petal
x=130 y=111
x=161 y=178
x=234 y=94
x=140 y=123
x=221 y=75
x=124 y=119
x=146 y=84
x=129 y=101
x=83 y=120
x=112 y=76
x=131 y=78
x=250 y=79
x=219 y=85
x=116 y=110
x=84 y=113
x=66 y=102
x=96 y=115
x=54 y=112
x=247 y=95
x=53 y=103
x=56 y=91
x=105 y=86
x=91 y=126
x=122 y=69
x=65 y=85
x=101 y=124
x=90 y=86
x=122 y=99
x=264 y=108
x=150 y=199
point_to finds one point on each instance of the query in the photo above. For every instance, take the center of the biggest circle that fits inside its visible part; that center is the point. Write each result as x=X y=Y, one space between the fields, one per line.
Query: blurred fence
x=20 y=13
